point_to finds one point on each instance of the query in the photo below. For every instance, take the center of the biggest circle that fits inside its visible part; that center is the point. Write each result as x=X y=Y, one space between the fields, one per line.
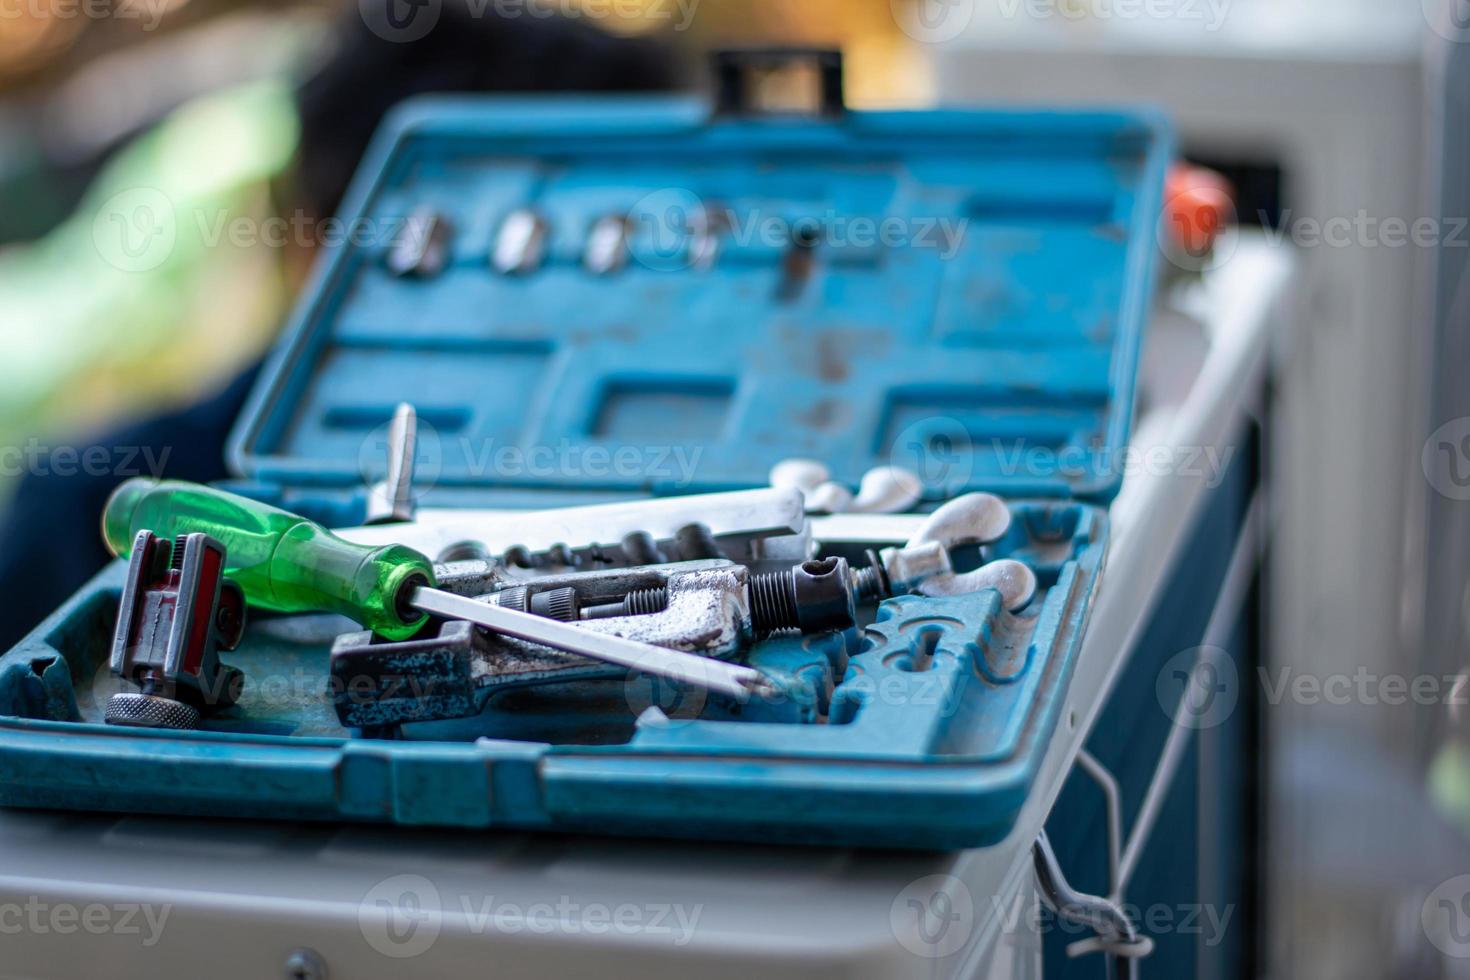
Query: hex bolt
x=814 y=597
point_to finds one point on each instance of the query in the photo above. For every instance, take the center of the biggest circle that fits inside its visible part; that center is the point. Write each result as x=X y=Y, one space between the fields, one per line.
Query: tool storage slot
x=979 y=269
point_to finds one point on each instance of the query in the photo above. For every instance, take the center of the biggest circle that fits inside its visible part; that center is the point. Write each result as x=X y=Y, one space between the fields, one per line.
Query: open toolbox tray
x=999 y=358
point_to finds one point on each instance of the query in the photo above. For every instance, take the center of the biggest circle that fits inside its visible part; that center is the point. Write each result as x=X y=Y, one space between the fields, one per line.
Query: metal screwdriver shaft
x=687 y=668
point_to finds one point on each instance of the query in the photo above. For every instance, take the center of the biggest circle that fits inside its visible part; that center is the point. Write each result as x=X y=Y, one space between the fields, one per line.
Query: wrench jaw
x=450 y=673
x=707 y=613
x=453 y=671
x=426 y=677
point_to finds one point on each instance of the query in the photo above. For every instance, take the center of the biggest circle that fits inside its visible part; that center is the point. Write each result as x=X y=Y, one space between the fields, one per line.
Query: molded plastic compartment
x=942 y=701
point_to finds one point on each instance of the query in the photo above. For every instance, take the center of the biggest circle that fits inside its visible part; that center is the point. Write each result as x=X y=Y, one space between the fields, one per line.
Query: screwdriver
x=286 y=563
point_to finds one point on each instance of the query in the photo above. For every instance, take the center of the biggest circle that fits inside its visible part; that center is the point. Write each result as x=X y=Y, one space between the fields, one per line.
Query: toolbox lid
x=959 y=292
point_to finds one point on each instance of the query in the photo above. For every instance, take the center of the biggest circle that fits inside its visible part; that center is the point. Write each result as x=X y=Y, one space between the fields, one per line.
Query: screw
x=639 y=602
x=305 y=964
x=872 y=582
x=642 y=601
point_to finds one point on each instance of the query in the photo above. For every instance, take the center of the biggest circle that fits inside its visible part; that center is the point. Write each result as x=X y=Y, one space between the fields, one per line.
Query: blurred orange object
x=31 y=35
x=1198 y=205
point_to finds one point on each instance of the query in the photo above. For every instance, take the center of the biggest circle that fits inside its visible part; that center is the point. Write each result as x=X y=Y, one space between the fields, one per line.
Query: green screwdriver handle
x=283 y=562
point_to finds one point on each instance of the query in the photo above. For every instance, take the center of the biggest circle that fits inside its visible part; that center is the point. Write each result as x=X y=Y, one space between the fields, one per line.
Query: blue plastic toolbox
x=971 y=307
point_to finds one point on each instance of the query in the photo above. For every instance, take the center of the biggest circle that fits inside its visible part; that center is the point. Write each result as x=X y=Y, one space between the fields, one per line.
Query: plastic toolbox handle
x=732 y=68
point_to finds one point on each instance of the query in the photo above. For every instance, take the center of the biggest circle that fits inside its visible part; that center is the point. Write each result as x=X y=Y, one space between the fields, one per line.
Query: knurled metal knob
x=150 y=711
